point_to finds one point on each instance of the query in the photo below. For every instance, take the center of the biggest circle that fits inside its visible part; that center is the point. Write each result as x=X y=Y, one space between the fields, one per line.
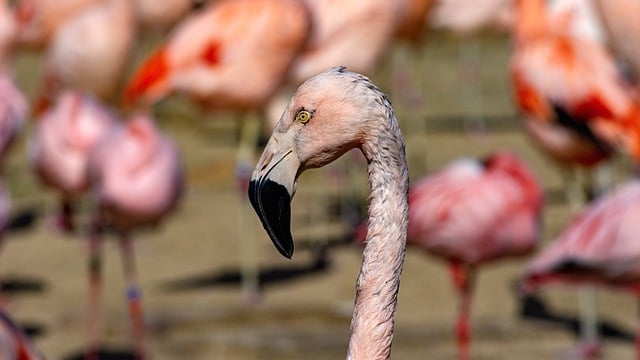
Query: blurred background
x=213 y=286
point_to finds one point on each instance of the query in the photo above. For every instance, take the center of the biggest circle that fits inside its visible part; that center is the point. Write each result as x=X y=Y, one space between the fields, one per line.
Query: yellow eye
x=303 y=116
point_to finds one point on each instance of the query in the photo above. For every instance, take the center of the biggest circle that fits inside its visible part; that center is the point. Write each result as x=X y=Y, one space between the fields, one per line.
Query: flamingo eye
x=303 y=116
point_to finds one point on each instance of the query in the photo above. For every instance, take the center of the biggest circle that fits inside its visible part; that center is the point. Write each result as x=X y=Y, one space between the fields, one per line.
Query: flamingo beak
x=271 y=189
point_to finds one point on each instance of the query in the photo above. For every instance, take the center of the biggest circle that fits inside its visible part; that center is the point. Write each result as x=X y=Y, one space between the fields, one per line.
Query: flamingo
x=136 y=178
x=38 y=20
x=599 y=246
x=89 y=52
x=575 y=104
x=619 y=22
x=331 y=113
x=475 y=212
x=7 y=31
x=60 y=146
x=232 y=55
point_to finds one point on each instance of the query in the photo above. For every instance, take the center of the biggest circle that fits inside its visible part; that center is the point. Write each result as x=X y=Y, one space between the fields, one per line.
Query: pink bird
x=13 y=113
x=471 y=213
x=619 y=19
x=232 y=55
x=599 y=246
x=136 y=178
x=89 y=52
x=211 y=54
x=39 y=20
x=60 y=147
x=329 y=114
x=575 y=104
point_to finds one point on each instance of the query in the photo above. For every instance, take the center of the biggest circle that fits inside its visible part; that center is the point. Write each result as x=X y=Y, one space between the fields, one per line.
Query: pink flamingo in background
x=232 y=55
x=60 y=146
x=599 y=246
x=89 y=52
x=136 y=179
x=575 y=105
x=328 y=115
x=7 y=31
x=620 y=22
x=39 y=20
x=474 y=212
x=471 y=213
x=210 y=55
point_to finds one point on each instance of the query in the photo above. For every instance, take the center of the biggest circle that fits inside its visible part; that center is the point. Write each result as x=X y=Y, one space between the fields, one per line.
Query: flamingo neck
x=383 y=256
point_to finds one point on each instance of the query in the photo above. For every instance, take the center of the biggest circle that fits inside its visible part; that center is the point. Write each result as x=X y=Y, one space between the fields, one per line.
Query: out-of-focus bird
x=136 y=179
x=232 y=55
x=39 y=20
x=328 y=115
x=60 y=146
x=574 y=102
x=473 y=212
x=89 y=52
x=13 y=113
x=211 y=54
x=599 y=246
x=619 y=19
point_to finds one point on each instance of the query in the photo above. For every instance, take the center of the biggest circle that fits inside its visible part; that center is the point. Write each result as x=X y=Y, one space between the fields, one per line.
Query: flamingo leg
x=249 y=133
x=133 y=294
x=65 y=216
x=95 y=287
x=463 y=279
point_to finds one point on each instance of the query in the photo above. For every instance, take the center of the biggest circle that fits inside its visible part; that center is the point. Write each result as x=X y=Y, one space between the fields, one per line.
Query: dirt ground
x=193 y=304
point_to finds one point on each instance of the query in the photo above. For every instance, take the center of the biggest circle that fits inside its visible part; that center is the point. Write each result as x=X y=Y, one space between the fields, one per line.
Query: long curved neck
x=383 y=256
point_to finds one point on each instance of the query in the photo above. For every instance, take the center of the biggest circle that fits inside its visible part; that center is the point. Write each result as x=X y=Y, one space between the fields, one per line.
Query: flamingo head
x=328 y=115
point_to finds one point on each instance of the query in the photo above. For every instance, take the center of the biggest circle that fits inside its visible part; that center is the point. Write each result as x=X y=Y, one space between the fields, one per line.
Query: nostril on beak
x=266 y=161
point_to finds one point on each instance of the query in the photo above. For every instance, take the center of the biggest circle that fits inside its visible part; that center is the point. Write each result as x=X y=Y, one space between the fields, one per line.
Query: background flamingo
x=13 y=113
x=471 y=213
x=60 y=146
x=599 y=246
x=89 y=52
x=329 y=114
x=209 y=57
x=136 y=178
x=574 y=102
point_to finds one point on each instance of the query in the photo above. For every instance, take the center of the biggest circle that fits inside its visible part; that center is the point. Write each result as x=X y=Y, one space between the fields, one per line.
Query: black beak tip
x=272 y=203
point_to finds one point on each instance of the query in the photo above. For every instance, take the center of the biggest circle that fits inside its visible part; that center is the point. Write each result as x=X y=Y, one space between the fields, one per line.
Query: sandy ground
x=306 y=303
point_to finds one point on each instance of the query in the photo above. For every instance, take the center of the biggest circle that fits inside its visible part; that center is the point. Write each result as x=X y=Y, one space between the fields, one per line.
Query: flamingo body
x=136 y=174
x=567 y=81
x=472 y=212
x=64 y=137
x=598 y=246
x=231 y=55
